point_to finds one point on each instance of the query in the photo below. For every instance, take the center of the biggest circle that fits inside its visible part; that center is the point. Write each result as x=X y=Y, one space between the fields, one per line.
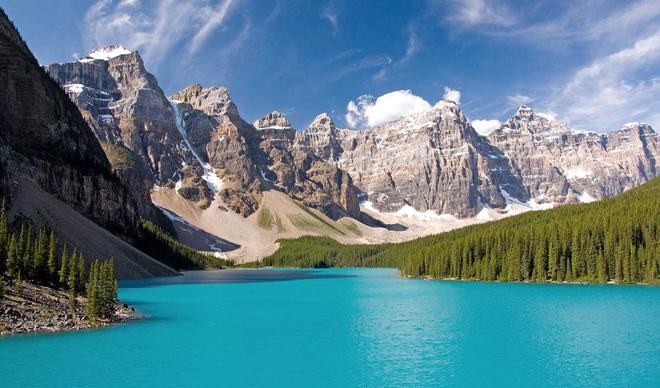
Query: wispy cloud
x=155 y=28
x=517 y=100
x=358 y=65
x=614 y=89
x=412 y=45
x=480 y=12
x=330 y=12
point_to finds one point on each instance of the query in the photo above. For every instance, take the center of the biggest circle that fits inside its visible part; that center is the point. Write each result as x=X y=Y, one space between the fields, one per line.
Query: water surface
x=353 y=327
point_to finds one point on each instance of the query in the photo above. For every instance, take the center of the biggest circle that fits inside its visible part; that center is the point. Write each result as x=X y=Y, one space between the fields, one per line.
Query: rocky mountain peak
x=274 y=120
x=322 y=121
x=211 y=100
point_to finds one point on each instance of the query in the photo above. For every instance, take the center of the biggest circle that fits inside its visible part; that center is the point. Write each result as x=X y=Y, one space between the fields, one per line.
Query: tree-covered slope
x=610 y=240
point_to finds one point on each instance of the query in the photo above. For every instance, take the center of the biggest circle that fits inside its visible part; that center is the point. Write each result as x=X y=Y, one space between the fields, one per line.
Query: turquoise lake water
x=353 y=327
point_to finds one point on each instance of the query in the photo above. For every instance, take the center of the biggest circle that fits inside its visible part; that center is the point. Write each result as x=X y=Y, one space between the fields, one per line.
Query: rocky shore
x=43 y=309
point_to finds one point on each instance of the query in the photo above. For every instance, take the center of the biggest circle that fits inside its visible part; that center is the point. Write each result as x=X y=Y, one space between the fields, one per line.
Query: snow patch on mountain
x=213 y=181
x=105 y=53
x=577 y=173
x=584 y=197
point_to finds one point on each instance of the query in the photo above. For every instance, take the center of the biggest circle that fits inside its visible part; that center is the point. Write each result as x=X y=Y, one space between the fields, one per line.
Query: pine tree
x=20 y=244
x=72 y=289
x=18 y=283
x=93 y=292
x=52 y=257
x=64 y=266
x=4 y=237
x=81 y=273
x=39 y=258
x=12 y=258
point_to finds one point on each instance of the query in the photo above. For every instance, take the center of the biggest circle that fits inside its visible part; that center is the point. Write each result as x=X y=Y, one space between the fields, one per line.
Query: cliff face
x=239 y=160
x=430 y=161
x=435 y=160
x=562 y=165
x=198 y=143
x=129 y=114
x=45 y=139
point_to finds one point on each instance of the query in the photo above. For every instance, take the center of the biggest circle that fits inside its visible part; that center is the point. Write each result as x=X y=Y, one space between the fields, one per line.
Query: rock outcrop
x=44 y=138
x=436 y=161
x=252 y=157
x=559 y=165
x=53 y=170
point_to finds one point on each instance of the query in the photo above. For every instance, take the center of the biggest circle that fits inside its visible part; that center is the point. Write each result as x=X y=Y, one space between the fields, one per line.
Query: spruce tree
x=12 y=258
x=52 y=257
x=64 y=266
x=93 y=305
x=4 y=236
x=18 y=283
x=72 y=290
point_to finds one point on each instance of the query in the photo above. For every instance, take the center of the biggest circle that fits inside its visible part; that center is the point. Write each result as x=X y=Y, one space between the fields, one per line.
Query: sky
x=594 y=64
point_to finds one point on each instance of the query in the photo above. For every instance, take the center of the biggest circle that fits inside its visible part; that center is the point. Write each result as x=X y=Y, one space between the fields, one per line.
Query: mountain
x=558 y=164
x=54 y=172
x=436 y=161
x=614 y=240
x=129 y=114
x=193 y=154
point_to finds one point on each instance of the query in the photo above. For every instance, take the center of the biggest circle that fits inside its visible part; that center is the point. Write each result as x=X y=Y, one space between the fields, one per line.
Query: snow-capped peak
x=106 y=53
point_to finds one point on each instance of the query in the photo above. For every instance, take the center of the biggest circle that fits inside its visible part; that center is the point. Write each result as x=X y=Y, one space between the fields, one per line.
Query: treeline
x=161 y=245
x=39 y=257
x=611 y=240
x=324 y=252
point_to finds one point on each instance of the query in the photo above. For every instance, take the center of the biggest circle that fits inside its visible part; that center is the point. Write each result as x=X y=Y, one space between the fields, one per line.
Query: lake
x=353 y=327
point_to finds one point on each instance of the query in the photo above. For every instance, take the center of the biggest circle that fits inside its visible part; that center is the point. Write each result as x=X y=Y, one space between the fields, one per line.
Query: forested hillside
x=610 y=240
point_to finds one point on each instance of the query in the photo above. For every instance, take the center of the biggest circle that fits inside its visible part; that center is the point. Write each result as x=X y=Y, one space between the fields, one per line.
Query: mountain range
x=118 y=145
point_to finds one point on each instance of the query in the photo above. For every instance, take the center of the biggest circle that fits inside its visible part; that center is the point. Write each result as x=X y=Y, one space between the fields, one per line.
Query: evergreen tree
x=52 y=256
x=12 y=258
x=72 y=289
x=18 y=283
x=64 y=266
x=4 y=237
x=615 y=238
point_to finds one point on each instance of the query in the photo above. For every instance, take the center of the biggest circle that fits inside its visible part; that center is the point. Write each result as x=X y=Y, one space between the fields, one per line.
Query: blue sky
x=592 y=63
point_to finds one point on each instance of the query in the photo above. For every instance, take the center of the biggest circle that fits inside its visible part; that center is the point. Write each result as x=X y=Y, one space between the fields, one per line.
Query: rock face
x=45 y=139
x=560 y=165
x=198 y=143
x=129 y=114
x=435 y=160
x=431 y=161
x=252 y=157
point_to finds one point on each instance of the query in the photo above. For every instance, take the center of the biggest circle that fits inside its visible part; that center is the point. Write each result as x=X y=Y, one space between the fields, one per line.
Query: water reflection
x=232 y=276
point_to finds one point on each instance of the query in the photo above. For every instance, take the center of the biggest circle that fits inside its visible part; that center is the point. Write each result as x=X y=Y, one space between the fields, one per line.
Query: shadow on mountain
x=197 y=238
x=376 y=223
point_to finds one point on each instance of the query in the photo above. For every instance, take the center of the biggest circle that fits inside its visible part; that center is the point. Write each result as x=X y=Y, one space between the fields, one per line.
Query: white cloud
x=452 y=95
x=614 y=89
x=367 y=111
x=480 y=12
x=519 y=99
x=154 y=28
x=485 y=127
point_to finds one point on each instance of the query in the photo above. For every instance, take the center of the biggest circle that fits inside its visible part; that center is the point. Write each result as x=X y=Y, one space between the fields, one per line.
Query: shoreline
x=39 y=309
